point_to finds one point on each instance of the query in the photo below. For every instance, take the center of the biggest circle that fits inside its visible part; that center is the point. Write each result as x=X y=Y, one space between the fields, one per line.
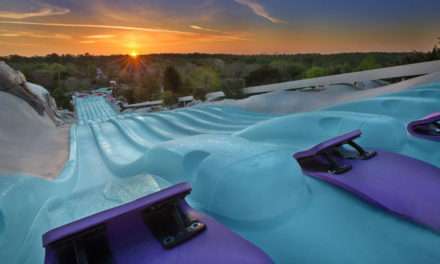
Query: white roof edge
x=186 y=98
x=144 y=104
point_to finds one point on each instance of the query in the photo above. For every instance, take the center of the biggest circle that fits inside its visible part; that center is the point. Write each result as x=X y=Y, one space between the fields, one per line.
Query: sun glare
x=133 y=54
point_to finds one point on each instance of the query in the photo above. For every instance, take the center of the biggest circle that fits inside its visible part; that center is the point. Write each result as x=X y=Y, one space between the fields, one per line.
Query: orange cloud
x=204 y=29
x=100 y=36
x=97 y=26
x=87 y=42
x=34 y=35
x=9 y=35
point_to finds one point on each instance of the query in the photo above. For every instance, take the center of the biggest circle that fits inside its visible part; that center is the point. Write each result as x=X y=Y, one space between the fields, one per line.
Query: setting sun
x=133 y=54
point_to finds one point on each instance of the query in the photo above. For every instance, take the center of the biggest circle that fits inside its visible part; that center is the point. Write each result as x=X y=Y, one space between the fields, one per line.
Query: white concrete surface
x=30 y=143
x=378 y=74
x=282 y=101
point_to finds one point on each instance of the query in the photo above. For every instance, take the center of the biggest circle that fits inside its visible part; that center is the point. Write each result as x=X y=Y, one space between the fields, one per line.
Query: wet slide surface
x=242 y=173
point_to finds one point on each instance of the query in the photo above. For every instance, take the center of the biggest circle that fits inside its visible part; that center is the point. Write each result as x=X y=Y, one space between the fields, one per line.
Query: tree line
x=168 y=76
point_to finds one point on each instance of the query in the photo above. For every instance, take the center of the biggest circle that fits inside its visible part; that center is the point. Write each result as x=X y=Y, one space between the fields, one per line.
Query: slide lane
x=234 y=110
x=163 y=130
x=428 y=93
x=146 y=130
x=403 y=108
x=193 y=121
x=122 y=156
x=178 y=125
x=406 y=106
x=216 y=118
x=137 y=140
x=231 y=114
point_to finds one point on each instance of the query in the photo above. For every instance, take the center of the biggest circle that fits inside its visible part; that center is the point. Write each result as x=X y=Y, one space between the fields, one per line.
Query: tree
x=234 y=70
x=233 y=88
x=264 y=75
x=42 y=76
x=201 y=80
x=315 y=72
x=295 y=70
x=146 y=89
x=76 y=84
x=369 y=63
x=63 y=100
x=172 y=80
x=169 y=98
x=435 y=53
x=289 y=70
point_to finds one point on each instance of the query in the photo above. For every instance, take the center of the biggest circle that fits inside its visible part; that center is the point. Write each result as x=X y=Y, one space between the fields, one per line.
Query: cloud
x=129 y=28
x=220 y=38
x=10 y=35
x=204 y=29
x=103 y=36
x=97 y=26
x=221 y=35
x=87 y=42
x=49 y=36
x=43 y=11
x=34 y=35
x=259 y=10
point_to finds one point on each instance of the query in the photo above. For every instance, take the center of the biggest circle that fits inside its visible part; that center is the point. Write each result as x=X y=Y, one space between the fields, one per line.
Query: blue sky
x=232 y=26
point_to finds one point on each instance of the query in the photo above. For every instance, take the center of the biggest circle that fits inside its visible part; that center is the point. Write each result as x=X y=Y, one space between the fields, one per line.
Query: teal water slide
x=242 y=172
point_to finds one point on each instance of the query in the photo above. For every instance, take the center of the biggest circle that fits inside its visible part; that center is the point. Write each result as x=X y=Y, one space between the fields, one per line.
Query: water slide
x=244 y=177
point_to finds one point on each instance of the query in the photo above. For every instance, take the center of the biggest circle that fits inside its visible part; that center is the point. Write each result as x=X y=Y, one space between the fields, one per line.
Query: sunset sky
x=38 y=27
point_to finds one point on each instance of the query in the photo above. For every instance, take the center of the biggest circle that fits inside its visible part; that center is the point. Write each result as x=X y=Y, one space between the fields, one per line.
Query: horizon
x=233 y=27
x=212 y=54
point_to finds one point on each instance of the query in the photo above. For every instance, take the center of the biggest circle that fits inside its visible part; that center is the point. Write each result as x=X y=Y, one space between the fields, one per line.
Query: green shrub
x=264 y=75
x=233 y=88
x=172 y=80
x=169 y=98
x=315 y=72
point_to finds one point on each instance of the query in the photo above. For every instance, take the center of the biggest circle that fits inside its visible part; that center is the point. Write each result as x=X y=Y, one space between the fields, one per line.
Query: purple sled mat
x=131 y=241
x=400 y=184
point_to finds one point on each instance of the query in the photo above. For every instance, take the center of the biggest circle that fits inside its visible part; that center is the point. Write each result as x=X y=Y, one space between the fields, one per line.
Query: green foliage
x=125 y=92
x=200 y=94
x=369 y=63
x=62 y=100
x=289 y=70
x=295 y=71
x=264 y=75
x=140 y=94
x=233 y=88
x=200 y=81
x=72 y=84
x=315 y=72
x=435 y=53
x=58 y=71
x=148 y=88
x=172 y=80
x=169 y=98
x=42 y=76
